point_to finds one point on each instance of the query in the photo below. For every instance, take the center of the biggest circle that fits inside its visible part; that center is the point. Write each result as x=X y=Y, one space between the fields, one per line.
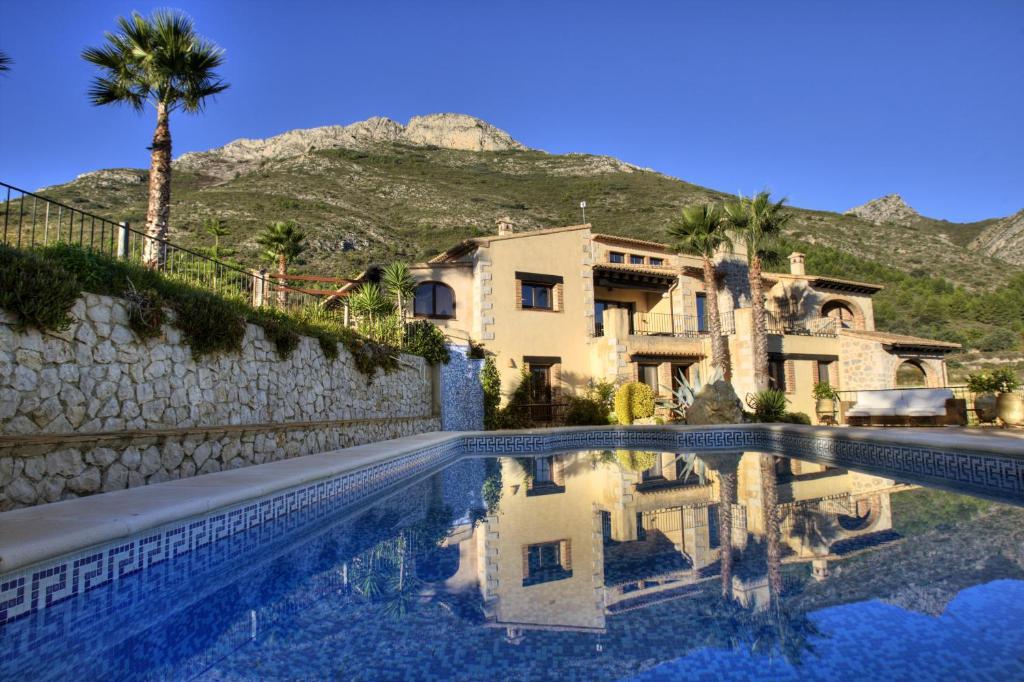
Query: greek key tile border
x=41 y=586
x=985 y=474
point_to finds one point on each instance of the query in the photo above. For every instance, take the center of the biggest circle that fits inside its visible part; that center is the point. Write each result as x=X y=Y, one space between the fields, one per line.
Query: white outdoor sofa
x=915 y=406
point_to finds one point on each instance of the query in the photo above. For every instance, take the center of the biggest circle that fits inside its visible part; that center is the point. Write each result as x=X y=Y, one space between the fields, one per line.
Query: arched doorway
x=911 y=374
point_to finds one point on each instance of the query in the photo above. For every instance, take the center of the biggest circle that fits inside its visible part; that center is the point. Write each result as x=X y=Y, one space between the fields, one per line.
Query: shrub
x=770 y=405
x=1002 y=380
x=585 y=411
x=278 y=330
x=426 y=340
x=515 y=414
x=39 y=293
x=206 y=325
x=633 y=401
x=491 y=381
x=603 y=391
x=795 y=418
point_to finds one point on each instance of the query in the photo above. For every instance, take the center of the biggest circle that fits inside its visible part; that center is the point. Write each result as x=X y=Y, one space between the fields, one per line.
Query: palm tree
x=5 y=61
x=701 y=230
x=758 y=221
x=216 y=228
x=161 y=61
x=282 y=242
x=399 y=283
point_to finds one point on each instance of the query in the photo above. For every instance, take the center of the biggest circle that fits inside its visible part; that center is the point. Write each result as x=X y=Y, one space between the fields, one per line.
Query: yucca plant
x=770 y=405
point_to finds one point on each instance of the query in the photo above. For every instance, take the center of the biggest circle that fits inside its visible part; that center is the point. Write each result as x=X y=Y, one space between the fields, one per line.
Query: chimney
x=796 y=263
x=505 y=227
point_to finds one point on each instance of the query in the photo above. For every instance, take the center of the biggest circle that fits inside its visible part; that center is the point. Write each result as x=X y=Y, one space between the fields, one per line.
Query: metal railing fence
x=690 y=326
x=31 y=220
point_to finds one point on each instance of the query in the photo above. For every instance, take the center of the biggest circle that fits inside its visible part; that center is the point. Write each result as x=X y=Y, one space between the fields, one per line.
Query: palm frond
x=159 y=59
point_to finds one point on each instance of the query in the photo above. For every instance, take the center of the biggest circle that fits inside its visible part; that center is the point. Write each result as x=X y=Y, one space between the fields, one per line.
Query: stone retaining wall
x=94 y=408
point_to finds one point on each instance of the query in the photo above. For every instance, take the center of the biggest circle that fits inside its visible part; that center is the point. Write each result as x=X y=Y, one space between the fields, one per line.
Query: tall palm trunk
x=760 y=330
x=154 y=252
x=770 y=507
x=726 y=493
x=282 y=270
x=719 y=347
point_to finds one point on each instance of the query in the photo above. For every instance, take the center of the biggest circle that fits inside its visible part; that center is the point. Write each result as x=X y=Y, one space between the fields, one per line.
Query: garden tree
x=369 y=303
x=159 y=61
x=399 y=284
x=701 y=230
x=758 y=221
x=216 y=228
x=282 y=243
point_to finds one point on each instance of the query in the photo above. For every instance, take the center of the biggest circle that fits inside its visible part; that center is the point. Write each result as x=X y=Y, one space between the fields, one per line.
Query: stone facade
x=94 y=408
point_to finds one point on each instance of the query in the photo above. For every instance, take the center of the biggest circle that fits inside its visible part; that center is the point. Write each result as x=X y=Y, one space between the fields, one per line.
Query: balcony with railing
x=794 y=325
x=684 y=326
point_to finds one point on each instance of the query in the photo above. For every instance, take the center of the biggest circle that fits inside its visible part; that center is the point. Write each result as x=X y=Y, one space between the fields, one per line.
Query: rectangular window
x=680 y=370
x=702 y=312
x=538 y=296
x=546 y=562
x=823 y=372
x=635 y=259
x=648 y=374
x=777 y=373
x=657 y=262
x=616 y=257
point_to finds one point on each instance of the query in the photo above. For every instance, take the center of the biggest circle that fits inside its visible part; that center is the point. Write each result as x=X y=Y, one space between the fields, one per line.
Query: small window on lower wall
x=647 y=373
x=546 y=562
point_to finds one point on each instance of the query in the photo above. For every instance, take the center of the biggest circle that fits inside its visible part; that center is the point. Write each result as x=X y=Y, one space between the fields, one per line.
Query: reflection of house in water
x=580 y=537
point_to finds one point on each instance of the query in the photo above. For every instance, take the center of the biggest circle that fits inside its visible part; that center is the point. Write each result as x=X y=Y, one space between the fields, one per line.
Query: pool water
x=586 y=565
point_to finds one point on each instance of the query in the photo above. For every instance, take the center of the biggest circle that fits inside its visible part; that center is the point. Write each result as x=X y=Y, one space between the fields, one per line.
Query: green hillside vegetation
x=393 y=201
x=397 y=201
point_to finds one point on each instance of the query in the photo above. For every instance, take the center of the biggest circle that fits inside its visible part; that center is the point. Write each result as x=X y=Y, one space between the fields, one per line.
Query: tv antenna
x=583 y=207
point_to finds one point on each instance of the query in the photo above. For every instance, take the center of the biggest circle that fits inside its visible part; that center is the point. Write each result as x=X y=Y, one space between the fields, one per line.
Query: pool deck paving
x=35 y=534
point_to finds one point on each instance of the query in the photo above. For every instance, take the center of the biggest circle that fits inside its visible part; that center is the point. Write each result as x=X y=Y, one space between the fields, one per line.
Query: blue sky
x=830 y=103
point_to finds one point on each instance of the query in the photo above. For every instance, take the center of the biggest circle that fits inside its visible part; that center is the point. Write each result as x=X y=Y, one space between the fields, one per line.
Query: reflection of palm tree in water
x=770 y=507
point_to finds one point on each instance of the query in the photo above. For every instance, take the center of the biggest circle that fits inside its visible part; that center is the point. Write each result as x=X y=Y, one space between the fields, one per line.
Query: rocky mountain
x=377 y=190
x=447 y=131
x=888 y=209
x=1003 y=239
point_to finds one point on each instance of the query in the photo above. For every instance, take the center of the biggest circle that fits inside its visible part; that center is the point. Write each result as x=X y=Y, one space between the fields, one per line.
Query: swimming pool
x=581 y=563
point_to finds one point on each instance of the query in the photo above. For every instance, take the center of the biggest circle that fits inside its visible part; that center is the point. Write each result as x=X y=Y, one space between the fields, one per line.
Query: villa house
x=570 y=305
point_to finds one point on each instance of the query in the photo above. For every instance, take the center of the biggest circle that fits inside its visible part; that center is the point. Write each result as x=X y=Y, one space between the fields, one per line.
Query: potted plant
x=1009 y=405
x=984 y=385
x=994 y=396
x=826 y=397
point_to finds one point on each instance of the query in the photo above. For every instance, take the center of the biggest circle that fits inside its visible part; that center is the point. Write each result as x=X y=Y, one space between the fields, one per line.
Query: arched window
x=840 y=312
x=434 y=299
x=911 y=374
